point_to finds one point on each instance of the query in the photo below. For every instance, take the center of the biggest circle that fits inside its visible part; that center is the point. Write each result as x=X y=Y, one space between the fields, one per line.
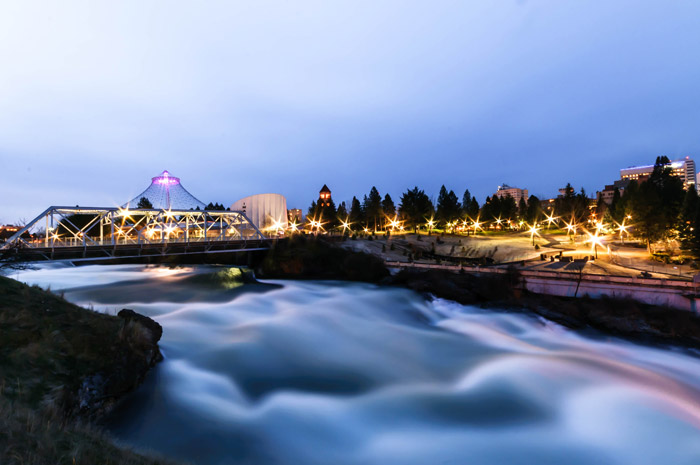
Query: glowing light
x=165 y=179
x=277 y=226
x=346 y=224
x=294 y=226
x=595 y=241
x=534 y=231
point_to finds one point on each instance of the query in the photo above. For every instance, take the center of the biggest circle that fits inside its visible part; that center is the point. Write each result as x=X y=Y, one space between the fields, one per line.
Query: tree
x=448 y=207
x=215 y=207
x=357 y=216
x=415 y=207
x=534 y=210
x=144 y=203
x=689 y=215
x=388 y=206
x=313 y=211
x=572 y=206
x=615 y=210
x=473 y=210
x=522 y=209
x=656 y=206
x=466 y=201
x=373 y=207
x=329 y=215
x=342 y=211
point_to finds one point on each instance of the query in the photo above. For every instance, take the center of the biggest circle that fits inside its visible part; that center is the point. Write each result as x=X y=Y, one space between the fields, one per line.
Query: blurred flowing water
x=337 y=373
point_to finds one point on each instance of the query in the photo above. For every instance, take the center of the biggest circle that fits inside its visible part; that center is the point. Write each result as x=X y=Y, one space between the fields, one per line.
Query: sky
x=238 y=98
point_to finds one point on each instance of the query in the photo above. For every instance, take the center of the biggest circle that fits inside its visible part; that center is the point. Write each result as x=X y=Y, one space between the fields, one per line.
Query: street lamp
x=533 y=233
x=431 y=223
x=623 y=229
x=595 y=241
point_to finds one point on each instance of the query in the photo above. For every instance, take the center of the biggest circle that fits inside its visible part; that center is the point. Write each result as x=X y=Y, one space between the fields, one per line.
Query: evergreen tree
x=357 y=216
x=534 y=210
x=144 y=203
x=329 y=215
x=522 y=209
x=689 y=214
x=342 y=212
x=473 y=210
x=373 y=208
x=448 y=207
x=415 y=207
x=509 y=209
x=388 y=206
x=313 y=211
x=466 y=201
x=656 y=206
x=615 y=212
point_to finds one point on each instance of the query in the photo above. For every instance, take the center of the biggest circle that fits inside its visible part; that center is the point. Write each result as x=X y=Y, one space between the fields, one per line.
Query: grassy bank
x=302 y=257
x=60 y=367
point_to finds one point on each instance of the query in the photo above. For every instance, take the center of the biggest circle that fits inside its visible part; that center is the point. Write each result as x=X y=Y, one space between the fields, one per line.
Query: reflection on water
x=337 y=373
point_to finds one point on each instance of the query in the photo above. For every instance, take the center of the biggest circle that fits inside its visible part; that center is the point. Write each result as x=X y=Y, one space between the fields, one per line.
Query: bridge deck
x=130 y=250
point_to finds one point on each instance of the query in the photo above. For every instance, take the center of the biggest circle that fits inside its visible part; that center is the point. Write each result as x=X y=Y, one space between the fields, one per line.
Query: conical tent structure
x=166 y=192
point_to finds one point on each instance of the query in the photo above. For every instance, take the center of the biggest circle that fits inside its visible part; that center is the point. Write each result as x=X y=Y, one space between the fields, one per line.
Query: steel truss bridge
x=74 y=233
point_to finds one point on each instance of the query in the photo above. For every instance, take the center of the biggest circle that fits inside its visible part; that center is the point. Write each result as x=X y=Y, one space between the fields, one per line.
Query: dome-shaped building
x=264 y=210
x=166 y=193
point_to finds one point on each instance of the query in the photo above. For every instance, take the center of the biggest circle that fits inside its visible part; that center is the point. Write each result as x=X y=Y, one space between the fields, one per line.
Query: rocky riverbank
x=623 y=318
x=61 y=368
x=315 y=258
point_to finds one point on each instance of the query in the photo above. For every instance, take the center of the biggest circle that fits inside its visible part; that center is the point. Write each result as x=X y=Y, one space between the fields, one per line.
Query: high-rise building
x=683 y=168
x=515 y=192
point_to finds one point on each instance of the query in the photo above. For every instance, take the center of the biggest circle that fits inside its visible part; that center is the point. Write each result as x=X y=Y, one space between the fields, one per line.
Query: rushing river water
x=335 y=373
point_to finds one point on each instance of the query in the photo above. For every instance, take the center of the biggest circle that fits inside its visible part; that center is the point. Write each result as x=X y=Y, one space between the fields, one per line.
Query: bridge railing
x=100 y=227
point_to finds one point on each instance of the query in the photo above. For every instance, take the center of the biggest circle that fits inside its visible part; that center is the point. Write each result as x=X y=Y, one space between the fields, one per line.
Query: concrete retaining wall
x=666 y=292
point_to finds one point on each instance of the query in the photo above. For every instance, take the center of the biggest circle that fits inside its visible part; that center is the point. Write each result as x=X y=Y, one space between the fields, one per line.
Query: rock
x=135 y=353
x=153 y=326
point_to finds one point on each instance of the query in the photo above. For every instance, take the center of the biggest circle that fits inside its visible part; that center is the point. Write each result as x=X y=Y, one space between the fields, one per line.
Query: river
x=335 y=373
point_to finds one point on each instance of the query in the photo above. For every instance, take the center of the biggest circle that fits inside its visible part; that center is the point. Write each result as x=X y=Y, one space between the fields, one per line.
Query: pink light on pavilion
x=166 y=179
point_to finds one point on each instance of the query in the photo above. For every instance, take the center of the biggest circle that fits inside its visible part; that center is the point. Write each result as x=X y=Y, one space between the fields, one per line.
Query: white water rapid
x=354 y=374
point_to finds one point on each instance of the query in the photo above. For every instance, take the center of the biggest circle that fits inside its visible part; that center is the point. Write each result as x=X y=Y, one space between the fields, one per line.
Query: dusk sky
x=239 y=98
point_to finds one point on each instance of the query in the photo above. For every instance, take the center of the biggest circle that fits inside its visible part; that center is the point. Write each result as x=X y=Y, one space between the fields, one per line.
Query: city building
x=515 y=192
x=7 y=231
x=324 y=197
x=608 y=193
x=265 y=211
x=683 y=168
x=294 y=215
